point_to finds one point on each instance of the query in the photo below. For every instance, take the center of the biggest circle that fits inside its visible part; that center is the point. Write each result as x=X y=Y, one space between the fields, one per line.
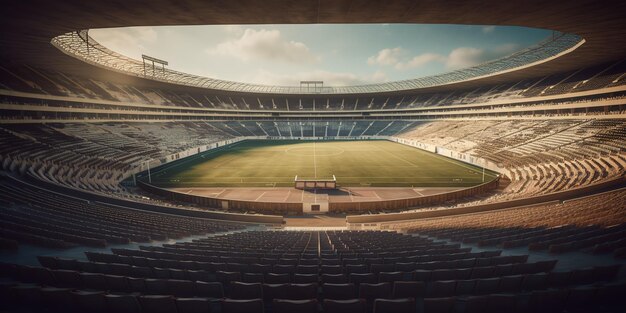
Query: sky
x=338 y=54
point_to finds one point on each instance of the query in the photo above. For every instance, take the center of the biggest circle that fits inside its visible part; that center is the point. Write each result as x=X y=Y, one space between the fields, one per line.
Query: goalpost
x=315 y=183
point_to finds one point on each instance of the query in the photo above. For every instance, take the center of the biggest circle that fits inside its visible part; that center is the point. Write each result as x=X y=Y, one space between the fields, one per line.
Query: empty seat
x=225 y=277
x=158 y=304
x=260 y=268
x=252 y=278
x=26 y=294
x=373 y=291
x=438 y=305
x=89 y=301
x=305 y=278
x=290 y=306
x=581 y=299
x=405 y=266
x=242 y=306
x=182 y=288
x=307 y=269
x=390 y=276
x=406 y=305
x=356 y=268
x=358 y=278
x=501 y=303
x=275 y=291
x=39 y=275
x=57 y=298
x=475 y=304
x=612 y=295
x=377 y=268
x=443 y=288
x=275 y=278
x=95 y=281
x=511 y=283
x=583 y=276
x=535 y=281
x=156 y=286
x=48 y=261
x=345 y=306
x=465 y=287
x=547 y=300
x=193 y=305
x=334 y=278
x=284 y=269
x=301 y=291
x=483 y=272
x=210 y=290
x=331 y=269
x=408 y=289
x=443 y=274
x=421 y=275
x=122 y=303
x=487 y=285
x=339 y=291
x=606 y=273
x=136 y=284
x=116 y=283
x=239 y=290
x=557 y=279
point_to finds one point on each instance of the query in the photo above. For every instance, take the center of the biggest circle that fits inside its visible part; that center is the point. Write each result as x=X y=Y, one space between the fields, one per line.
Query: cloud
x=420 y=60
x=129 y=39
x=464 y=57
x=458 y=58
x=329 y=78
x=388 y=56
x=505 y=49
x=264 y=45
x=488 y=29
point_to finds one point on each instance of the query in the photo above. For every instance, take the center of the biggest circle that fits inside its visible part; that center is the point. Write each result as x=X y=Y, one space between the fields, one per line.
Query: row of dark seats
x=334 y=289
x=601 y=298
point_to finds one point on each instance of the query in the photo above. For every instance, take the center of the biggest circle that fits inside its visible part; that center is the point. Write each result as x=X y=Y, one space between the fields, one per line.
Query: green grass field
x=265 y=163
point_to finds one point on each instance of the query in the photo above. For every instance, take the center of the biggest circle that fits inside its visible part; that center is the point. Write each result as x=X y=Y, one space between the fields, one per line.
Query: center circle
x=310 y=151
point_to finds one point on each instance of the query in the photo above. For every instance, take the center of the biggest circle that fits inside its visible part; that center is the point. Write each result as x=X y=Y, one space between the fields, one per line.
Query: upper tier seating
x=28 y=79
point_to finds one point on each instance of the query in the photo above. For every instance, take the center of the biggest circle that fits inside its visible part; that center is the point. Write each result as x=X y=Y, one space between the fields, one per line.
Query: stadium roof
x=29 y=26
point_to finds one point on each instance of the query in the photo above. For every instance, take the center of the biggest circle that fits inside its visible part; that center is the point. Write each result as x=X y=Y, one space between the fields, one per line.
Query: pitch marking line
x=314 y=160
x=377 y=196
x=443 y=158
x=261 y=195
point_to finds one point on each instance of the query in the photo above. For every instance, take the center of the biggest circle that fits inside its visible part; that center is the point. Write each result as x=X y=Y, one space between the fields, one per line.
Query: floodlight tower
x=154 y=61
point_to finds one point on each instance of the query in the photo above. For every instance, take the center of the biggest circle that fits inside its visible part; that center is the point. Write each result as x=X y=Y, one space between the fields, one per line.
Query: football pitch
x=275 y=163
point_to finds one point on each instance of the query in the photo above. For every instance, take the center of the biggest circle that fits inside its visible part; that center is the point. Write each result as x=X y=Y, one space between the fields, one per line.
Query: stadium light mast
x=483 y=170
x=483 y=159
x=147 y=163
x=154 y=61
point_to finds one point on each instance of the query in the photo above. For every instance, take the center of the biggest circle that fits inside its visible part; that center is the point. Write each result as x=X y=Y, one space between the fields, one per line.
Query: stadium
x=130 y=186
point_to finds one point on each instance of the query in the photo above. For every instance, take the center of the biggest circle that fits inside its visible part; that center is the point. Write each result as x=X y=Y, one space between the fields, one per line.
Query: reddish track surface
x=290 y=195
